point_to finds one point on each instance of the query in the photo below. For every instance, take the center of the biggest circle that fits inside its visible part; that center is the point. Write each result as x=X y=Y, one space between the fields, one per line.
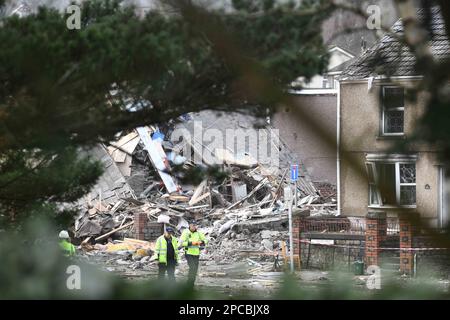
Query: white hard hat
x=64 y=234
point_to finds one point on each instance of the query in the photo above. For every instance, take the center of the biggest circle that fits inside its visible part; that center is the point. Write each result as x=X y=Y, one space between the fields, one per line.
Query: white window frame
x=444 y=216
x=399 y=184
x=383 y=110
x=371 y=165
x=372 y=176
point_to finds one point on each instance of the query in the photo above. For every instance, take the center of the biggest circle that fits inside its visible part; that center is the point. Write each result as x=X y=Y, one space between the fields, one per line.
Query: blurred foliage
x=29 y=179
x=195 y=175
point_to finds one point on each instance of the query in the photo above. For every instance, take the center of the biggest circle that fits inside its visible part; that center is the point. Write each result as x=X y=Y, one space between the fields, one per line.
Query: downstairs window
x=391 y=183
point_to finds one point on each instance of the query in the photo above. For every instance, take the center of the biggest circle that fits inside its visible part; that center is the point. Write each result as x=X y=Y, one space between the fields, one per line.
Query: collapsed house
x=146 y=186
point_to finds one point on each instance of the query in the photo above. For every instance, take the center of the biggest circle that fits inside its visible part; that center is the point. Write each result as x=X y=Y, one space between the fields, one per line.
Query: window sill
x=392 y=207
x=391 y=136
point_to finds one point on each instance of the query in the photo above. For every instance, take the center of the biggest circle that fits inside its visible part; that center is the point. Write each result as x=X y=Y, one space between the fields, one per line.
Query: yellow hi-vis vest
x=188 y=236
x=161 y=249
x=67 y=247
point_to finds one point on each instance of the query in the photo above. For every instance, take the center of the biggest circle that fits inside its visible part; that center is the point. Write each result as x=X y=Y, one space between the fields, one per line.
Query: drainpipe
x=441 y=197
x=338 y=141
x=415 y=265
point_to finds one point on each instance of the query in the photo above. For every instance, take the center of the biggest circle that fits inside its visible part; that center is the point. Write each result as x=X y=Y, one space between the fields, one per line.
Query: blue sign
x=294 y=172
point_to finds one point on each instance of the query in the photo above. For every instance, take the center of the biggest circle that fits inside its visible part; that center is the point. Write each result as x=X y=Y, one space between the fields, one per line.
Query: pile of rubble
x=243 y=215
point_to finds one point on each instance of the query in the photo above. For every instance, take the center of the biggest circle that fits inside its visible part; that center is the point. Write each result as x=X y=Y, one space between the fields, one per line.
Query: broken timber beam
x=202 y=197
x=278 y=188
x=198 y=191
x=259 y=186
x=114 y=231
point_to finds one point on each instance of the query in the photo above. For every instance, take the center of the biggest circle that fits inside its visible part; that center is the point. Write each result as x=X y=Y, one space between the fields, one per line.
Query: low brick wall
x=373 y=245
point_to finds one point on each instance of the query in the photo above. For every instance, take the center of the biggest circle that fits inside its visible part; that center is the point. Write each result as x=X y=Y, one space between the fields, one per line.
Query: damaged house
x=140 y=190
x=375 y=117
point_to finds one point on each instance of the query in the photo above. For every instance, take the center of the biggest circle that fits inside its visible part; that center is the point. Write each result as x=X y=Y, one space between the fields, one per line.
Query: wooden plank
x=100 y=207
x=114 y=231
x=124 y=218
x=178 y=197
x=117 y=205
x=279 y=188
x=129 y=146
x=198 y=207
x=119 y=156
x=202 y=197
x=198 y=191
x=128 y=142
x=92 y=212
x=85 y=241
x=259 y=186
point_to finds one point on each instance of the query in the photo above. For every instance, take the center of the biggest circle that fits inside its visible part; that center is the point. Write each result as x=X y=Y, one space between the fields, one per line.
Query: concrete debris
x=226 y=226
x=267 y=244
x=163 y=218
x=267 y=234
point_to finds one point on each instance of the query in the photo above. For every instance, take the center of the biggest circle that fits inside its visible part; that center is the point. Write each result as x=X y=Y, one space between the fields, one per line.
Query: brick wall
x=375 y=233
x=145 y=229
x=298 y=221
x=296 y=230
x=408 y=229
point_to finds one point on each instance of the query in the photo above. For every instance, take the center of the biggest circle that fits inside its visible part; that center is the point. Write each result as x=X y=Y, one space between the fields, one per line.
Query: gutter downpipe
x=338 y=141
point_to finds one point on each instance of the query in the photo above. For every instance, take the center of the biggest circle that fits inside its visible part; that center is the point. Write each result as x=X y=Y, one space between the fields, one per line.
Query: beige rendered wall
x=360 y=135
x=305 y=144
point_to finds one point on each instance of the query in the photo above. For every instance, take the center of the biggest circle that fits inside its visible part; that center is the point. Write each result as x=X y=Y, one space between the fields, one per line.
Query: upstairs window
x=391 y=184
x=393 y=113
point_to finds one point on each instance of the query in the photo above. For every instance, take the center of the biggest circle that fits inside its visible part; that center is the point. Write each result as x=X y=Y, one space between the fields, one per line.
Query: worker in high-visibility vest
x=166 y=253
x=192 y=240
x=65 y=244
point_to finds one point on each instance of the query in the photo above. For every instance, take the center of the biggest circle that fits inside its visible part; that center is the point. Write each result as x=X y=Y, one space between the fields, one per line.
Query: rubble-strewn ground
x=229 y=278
x=239 y=277
x=231 y=262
